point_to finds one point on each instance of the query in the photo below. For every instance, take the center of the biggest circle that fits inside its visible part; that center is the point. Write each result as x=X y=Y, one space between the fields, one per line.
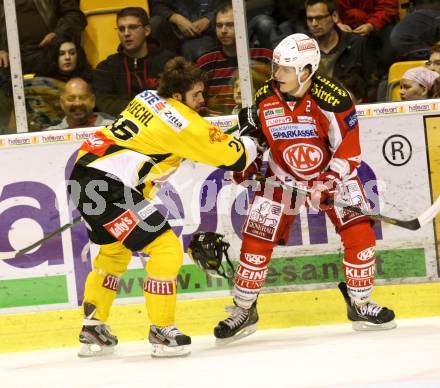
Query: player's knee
x=166 y=256
x=112 y=259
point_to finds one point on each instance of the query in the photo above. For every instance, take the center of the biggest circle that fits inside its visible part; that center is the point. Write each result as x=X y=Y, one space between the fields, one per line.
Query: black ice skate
x=96 y=340
x=369 y=315
x=240 y=324
x=168 y=341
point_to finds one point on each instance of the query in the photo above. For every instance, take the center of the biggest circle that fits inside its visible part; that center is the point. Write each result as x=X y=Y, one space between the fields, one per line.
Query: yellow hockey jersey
x=148 y=140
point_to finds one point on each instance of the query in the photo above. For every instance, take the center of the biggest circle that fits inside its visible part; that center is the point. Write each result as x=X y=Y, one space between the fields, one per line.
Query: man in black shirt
x=135 y=67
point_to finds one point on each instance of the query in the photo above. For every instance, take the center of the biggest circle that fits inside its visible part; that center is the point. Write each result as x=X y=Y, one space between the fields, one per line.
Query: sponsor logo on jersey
x=156 y=103
x=325 y=95
x=160 y=106
x=123 y=225
x=306 y=119
x=146 y=212
x=174 y=119
x=264 y=218
x=366 y=254
x=261 y=91
x=215 y=135
x=351 y=119
x=255 y=259
x=293 y=131
x=111 y=282
x=305 y=44
x=269 y=104
x=331 y=85
x=303 y=157
x=275 y=112
x=159 y=287
x=279 y=120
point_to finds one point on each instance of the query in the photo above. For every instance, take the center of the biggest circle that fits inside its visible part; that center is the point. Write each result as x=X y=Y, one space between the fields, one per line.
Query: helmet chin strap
x=302 y=85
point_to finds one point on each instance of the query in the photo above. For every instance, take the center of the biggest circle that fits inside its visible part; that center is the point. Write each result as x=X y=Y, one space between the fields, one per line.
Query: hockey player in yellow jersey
x=116 y=175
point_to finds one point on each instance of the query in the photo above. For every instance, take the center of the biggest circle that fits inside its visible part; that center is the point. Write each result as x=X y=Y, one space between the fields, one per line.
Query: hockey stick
x=414 y=224
x=13 y=254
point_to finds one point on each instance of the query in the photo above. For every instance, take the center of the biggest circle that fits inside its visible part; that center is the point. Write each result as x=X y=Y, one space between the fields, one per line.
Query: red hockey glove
x=238 y=177
x=324 y=189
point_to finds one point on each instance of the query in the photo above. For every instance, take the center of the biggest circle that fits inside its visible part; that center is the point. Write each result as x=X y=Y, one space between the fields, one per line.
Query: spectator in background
x=258 y=80
x=418 y=29
x=342 y=53
x=436 y=88
x=291 y=16
x=417 y=83
x=135 y=67
x=433 y=62
x=373 y=19
x=221 y=64
x=355 y=85
x=186 y=26
x=78 y=102
x=65 y=59
x=39 y=23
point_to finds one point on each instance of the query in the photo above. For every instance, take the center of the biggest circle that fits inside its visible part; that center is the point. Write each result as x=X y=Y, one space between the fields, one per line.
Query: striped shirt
x=221 y=69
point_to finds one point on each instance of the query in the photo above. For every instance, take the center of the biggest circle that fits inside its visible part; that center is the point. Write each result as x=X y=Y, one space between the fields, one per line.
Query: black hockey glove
x=249 y=125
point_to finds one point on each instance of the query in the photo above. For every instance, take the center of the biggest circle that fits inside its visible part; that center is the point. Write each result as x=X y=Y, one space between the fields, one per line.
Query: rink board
x=400 y=166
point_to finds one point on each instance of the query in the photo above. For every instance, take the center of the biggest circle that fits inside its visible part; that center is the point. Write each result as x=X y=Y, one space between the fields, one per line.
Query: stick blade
x=429 y=214
x=8 y=255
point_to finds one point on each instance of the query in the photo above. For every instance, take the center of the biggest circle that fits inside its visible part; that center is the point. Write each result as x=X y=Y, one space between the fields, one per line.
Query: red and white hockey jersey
x=305 y=135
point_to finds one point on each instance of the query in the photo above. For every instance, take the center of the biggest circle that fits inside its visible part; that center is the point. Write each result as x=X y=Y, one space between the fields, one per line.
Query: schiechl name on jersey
x=293 y=131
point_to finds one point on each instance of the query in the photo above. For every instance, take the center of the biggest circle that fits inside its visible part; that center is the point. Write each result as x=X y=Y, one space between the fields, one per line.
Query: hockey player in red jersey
x=311 y=128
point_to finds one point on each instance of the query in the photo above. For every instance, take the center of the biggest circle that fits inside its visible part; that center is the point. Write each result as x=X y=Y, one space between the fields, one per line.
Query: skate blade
x=160 y=351
x=240 y=334
x=368 y=326
x=94 y=350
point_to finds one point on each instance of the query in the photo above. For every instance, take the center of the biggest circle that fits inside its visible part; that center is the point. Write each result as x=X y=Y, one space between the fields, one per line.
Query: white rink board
x=36 y=170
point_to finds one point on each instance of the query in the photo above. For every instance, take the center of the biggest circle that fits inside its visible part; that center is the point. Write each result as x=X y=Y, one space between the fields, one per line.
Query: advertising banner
x=33 y=202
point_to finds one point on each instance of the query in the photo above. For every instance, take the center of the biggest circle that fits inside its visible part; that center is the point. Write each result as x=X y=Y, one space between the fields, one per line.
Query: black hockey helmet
x=206 y=249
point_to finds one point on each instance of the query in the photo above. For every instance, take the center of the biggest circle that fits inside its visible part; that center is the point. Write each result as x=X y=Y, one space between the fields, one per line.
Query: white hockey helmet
x=298 y=51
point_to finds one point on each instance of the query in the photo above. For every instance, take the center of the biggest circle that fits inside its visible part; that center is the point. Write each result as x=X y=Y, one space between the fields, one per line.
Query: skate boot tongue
x=238 y=316
x=370 y=308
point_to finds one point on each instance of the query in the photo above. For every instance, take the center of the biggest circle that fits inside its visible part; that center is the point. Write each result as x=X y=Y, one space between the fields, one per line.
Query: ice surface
x=320 y=356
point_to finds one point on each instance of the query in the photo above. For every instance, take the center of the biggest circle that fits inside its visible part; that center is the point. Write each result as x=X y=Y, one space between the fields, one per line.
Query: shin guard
x=358 y=265
x=166 y=256
x=252 y=271
x=103 y=282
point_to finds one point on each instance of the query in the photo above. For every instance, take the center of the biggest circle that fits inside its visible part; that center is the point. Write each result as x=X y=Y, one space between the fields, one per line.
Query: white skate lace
x=370 y=309
x=238 y=316
x=170 y=331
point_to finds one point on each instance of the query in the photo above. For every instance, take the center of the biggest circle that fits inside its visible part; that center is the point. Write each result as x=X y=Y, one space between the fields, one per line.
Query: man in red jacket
x=373 y=19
